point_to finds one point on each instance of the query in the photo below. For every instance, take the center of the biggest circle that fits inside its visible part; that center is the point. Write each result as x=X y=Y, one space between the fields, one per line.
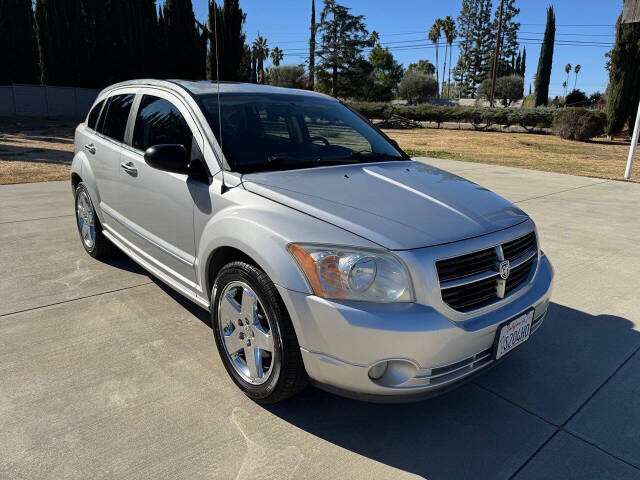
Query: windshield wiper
x=286 y=161
x=374 y=155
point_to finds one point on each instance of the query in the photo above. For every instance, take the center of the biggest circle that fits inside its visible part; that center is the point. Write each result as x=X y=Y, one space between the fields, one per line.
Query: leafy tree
x=509 y=45
x=290 y=76
x=276 y=56
x=312 y=47
x=462 y=72
x=508 y=89
x=434 y=35
x=418 y=87
x=543 y=77
x=423 y=66
x=624 y=78
x=484 y=44
x=17 y=37
x=387 y=73
x=450 y=34
x=577 y=98
x=343 y=37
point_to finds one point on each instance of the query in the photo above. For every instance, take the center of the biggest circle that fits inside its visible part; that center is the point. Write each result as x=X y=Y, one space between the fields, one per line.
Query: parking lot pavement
x=106 y=373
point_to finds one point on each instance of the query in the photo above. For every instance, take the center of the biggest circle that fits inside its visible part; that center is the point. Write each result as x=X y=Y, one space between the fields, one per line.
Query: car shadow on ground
x=34 y=154
x=486 y=428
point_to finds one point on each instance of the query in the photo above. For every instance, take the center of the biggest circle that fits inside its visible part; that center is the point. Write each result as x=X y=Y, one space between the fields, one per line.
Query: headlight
x=353 y=274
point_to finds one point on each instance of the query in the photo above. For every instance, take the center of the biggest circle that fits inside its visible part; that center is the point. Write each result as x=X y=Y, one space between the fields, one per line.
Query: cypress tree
x=523 y=62
x=230 y=40
x=17 y=37
x=623 y=93
x=182 y=39
x=543 y=77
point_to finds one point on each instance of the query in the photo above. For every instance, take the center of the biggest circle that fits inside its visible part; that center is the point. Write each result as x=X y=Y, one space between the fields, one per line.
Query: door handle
x=129 y=167
x=90 y=148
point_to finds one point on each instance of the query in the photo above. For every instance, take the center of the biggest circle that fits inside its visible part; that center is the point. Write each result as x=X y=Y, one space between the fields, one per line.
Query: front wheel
x=254 y=334
x=89 y=228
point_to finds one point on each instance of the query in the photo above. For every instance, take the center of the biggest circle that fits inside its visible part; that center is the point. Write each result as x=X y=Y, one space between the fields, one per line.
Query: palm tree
x=450 y=34
x=567 y=69
x=434 y=36
x=374 y=38
x=564 y=85
x=276 y=56
x=261 y=53
x=577 y=71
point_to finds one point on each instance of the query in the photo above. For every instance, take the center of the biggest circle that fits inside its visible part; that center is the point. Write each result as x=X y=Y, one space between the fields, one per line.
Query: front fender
x=262 y=229
x=82 y=167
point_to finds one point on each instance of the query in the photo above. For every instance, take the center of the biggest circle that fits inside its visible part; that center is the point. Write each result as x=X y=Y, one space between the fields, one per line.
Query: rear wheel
x=254 y=334
x=89 y=228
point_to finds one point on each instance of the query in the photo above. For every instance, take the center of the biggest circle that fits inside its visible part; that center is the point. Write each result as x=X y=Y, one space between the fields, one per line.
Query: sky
x=402 y=25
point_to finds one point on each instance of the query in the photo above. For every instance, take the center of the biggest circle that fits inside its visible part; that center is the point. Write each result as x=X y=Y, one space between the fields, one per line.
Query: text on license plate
x=513 y=333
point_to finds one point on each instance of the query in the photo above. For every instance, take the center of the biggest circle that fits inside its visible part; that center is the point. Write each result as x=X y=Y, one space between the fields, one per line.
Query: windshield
x=282 y=131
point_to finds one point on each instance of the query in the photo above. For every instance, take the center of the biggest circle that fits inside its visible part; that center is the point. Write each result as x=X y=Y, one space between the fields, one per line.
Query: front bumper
x=427 y=351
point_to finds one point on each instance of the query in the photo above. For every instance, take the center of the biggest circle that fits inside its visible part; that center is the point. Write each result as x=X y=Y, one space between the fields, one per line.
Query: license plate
x=512 y=333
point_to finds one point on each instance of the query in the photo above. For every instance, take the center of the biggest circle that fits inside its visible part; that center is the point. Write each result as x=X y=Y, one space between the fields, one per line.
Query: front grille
x=472 y=281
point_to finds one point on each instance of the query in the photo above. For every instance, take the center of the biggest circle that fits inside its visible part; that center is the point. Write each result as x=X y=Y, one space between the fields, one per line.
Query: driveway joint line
x=578 y=410
x=508 y=400
x=75 y=299
x=588 y=442
x=563 y=191
x=35 y=219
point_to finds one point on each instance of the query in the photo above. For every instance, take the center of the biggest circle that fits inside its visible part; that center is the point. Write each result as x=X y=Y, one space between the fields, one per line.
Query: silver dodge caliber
x=322 y=251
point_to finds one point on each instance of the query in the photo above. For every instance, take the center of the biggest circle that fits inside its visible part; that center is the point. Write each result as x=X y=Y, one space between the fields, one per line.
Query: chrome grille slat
x=471 y=281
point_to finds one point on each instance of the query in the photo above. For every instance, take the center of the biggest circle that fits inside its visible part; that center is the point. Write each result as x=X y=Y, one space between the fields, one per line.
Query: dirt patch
x=35 y=150
x=598 y=158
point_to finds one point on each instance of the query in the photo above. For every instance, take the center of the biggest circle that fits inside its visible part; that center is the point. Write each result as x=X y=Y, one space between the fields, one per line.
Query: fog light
x=377 y=371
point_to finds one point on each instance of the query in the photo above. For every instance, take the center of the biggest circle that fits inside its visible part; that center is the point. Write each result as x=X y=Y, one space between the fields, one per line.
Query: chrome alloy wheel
x=86 y=219
x=246 y=332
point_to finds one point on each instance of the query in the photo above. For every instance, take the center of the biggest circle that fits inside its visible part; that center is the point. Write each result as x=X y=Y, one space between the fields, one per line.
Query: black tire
x=101 y=245
x=288 y=376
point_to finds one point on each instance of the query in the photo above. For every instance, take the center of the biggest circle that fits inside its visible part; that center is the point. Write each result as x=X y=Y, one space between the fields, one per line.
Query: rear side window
x=93 y=115
x=114 y=124
x=160 y=122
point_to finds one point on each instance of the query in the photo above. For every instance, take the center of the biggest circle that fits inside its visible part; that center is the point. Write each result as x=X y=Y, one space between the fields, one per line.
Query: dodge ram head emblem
x=505 y=269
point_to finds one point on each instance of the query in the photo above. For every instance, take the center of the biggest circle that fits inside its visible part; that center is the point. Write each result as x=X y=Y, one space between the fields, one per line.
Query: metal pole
x=634 y=146
x=495 y=56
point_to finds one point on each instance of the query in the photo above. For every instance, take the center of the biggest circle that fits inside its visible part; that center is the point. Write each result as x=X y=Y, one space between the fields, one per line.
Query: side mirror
x=394 y=143
x=170 y=158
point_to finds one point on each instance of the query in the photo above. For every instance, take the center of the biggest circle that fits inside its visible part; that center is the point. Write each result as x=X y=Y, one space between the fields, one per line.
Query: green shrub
x=578 y=123
x=417 y=87
x=525 y=117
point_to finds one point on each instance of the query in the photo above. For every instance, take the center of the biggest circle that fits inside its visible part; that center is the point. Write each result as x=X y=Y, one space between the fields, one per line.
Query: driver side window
x=159 y=122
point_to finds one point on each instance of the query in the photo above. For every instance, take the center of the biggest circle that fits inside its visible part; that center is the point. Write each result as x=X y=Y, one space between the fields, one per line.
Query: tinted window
x=93 y=115
x=159 y=122
x=281 y=131
x=115 y=121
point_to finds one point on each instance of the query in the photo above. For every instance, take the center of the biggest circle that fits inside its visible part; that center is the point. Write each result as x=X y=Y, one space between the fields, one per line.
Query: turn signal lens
x=353 y=274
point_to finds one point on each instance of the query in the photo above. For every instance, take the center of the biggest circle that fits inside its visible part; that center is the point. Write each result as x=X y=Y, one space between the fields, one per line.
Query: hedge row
x=541 y=117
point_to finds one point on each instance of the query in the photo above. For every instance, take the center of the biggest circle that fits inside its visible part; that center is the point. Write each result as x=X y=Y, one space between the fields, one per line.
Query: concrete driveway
x=105 y=373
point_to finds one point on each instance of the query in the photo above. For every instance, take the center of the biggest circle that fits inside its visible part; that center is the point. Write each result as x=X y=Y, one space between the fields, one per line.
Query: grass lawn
x=597 y=158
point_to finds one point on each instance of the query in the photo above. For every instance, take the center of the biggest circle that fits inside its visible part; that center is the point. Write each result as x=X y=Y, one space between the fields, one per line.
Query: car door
x=158 y=205
x=106 y=144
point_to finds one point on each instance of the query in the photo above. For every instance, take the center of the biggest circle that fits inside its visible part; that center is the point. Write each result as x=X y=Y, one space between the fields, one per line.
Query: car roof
x=205 y=87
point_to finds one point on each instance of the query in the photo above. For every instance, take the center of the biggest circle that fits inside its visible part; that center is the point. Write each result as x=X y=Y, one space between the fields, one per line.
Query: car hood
x=398 y=205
